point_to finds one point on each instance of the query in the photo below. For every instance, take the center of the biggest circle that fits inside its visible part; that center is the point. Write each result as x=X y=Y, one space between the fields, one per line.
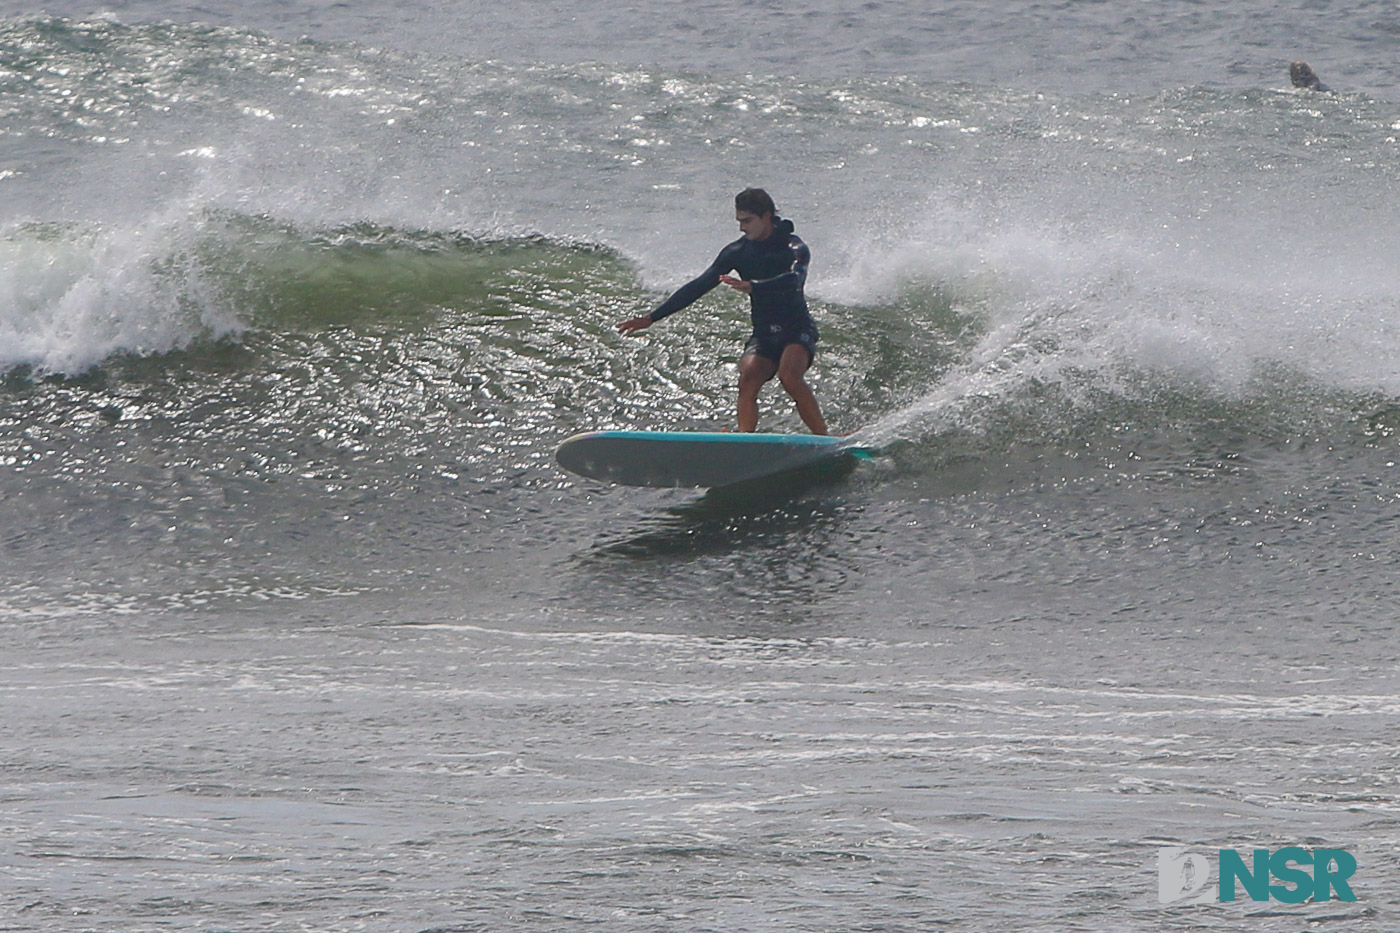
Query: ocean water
x=301 y=628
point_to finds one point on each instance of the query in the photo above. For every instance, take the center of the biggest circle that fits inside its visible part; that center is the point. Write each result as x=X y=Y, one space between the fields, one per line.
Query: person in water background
x=771 y=262
x=1302 y=76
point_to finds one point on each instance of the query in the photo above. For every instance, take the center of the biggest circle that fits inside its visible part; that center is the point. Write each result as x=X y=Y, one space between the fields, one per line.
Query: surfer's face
x=754 y=226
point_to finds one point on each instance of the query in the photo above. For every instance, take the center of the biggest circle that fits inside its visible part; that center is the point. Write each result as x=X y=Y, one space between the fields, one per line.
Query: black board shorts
x=770 y=342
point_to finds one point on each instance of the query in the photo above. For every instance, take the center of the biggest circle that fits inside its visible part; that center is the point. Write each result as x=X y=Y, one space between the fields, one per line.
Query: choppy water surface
x=303 y=628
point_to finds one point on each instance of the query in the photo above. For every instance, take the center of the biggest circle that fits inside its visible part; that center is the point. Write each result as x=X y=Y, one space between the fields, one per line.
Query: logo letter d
x=1182 y=877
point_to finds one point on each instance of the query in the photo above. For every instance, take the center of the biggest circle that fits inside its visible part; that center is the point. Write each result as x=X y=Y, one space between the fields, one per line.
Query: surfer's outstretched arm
x=634 y=324
x=686 y=295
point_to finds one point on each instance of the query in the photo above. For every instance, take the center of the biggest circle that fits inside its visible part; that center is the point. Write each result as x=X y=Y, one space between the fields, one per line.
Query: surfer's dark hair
x=755 y=201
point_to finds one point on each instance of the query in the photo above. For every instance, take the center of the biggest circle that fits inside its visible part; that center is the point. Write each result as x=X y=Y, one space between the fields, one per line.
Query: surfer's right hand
x=632 y=325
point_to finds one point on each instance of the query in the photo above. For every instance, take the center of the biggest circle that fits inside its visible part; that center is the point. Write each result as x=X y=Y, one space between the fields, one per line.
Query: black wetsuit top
x=777 y=267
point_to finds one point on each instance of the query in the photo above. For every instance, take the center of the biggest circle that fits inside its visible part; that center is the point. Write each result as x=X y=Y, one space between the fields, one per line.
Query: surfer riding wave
x=771 y=262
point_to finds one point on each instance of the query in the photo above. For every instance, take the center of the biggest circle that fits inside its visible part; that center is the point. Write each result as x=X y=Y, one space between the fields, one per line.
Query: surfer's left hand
x=632 y=325
x=739 y=285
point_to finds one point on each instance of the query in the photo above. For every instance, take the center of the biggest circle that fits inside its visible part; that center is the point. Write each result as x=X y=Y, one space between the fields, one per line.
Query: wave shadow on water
x=736 y=517
x=777 y=545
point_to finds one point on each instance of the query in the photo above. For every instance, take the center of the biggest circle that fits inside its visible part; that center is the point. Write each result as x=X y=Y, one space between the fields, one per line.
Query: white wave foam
x=74 y=298
x=1085 y=302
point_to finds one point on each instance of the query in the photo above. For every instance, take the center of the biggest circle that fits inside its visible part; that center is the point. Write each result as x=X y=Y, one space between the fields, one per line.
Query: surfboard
x=695 y=458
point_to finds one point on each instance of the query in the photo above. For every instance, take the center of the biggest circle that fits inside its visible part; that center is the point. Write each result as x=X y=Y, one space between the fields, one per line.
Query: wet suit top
x=777 y=267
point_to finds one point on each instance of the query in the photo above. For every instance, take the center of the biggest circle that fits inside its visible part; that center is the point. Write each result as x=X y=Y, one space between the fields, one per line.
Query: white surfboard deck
x=695 y=458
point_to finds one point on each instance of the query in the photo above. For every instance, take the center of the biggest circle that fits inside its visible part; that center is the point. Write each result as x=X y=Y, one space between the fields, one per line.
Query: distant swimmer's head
x=1302 y=75
x=755 y=210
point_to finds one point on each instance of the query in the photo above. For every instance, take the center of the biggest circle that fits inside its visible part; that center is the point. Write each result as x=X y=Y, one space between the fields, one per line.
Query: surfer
x=771 y=262
x=1302 y=76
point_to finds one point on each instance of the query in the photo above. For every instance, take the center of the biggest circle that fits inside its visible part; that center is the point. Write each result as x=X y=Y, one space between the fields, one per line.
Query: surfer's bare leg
x=795 y=361
x=754 y=371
